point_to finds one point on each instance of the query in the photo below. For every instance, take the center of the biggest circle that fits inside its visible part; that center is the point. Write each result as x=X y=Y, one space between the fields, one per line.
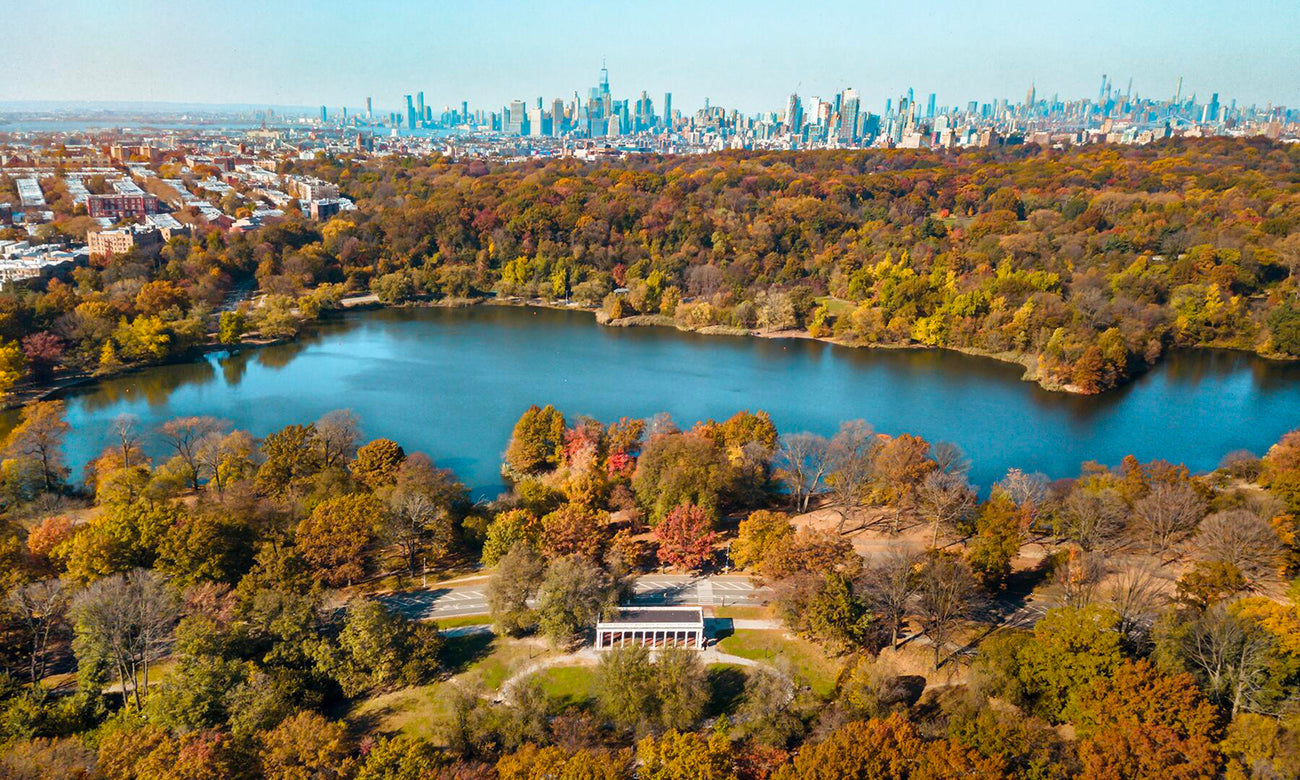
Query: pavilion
x=652 y=627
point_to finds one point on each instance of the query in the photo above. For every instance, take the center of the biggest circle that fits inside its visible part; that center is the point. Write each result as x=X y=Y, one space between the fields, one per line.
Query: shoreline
x=24 y=394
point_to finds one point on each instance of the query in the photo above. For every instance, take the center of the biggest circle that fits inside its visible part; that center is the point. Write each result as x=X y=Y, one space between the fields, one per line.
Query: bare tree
x=1135 y=595
x=184 y=435
x=1094 y=518
x=409 y=525
x=1028 y=491
x=1076 y=578
x=890 y=585
x=946 y=498
x=850 y=466
x=337 y=434
x=950 y=459
x=42 y=610
x=125 y=429
x=1231 y=657
x=804 y=459
x=225 y=457
x=1168 y=514
x=947 y=595
x=1241 y=538
x=126 y=619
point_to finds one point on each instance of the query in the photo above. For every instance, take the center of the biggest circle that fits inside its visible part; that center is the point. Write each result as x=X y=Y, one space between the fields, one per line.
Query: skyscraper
x=410 y=113
x=370 y=111
x=793 y=115
x=322 y=115
x=518 y=124
x=668 y=111
x=849 y=115
x=419 y=106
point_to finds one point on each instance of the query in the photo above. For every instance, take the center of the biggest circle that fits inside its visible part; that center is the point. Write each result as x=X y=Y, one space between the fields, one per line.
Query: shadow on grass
x=461 y=651
x=726 y=689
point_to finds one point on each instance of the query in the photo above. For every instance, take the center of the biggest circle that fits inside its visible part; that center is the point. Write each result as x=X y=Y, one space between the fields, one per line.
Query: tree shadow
x=460 y=652
x=726 y=689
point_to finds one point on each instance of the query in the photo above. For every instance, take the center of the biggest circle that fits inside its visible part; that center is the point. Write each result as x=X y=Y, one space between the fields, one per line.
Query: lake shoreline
x=22 y=395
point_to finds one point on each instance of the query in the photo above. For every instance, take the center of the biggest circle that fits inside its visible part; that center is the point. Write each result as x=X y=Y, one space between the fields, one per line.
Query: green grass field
x=568 y=685
x=807 y=661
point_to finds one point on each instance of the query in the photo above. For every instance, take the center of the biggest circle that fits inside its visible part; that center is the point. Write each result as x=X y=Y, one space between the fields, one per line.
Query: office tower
x=419 y=105
x=849 y=115
x=370 y=111
x=668 y=111
x=793 y=115
x=410 y=113
x=558 y=120
x=929 y=107
x=464 y=111
x=1214 y=107
x=322 y=115
x=518 y=118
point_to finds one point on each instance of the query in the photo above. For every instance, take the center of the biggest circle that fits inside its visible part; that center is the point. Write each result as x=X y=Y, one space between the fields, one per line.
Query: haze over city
x=744 y=55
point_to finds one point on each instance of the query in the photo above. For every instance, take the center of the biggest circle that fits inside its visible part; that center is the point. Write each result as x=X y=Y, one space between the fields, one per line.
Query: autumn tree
x=377 y=462
x=947 y=595
x=537 y=442
x=184 y=435
x=686 y=538
x=1168 y=514
x=516 y=579
x=679 y=468
x=756 y=536
x=38 y=437
x=945 y=498
x=336 y=537
x=803 y=460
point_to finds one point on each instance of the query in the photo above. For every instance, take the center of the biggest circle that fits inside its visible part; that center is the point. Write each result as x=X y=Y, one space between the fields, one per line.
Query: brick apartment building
x=119 y=206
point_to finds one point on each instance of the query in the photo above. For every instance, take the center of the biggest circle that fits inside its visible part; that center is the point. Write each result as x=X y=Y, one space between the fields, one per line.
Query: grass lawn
x=568 y=685
x=838 y=307
x=465 y=620
x=742 y=613
x=419 y=712
x=807 y=661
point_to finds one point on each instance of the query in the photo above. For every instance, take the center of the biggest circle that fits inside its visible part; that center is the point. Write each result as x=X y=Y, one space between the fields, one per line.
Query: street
x=650 y=590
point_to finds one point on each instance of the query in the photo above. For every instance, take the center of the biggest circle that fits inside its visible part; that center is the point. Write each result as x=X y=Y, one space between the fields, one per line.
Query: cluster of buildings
x=600 y=121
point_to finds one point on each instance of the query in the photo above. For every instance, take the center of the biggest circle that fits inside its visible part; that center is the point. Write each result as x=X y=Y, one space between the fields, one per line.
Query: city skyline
x=748 y=57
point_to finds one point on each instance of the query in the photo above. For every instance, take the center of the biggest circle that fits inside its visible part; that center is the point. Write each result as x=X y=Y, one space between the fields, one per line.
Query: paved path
x=449 y=601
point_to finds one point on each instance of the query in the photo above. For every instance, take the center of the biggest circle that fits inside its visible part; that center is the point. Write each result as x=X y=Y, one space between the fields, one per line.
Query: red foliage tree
x=686 y=537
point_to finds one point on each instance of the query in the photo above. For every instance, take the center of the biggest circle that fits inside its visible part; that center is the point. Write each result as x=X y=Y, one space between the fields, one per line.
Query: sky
x=747 y=55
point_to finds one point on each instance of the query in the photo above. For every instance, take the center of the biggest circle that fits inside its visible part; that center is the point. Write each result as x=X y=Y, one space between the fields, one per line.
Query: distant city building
x=121 y=206
x=107 y=243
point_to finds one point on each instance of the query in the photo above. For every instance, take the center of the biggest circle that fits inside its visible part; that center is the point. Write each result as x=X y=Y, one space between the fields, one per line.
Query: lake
x=452 y=382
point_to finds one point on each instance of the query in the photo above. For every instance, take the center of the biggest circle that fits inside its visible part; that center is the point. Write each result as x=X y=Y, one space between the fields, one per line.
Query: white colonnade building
x=652 y=627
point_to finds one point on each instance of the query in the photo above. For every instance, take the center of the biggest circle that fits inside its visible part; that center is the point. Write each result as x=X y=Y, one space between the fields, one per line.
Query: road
x=651 y=590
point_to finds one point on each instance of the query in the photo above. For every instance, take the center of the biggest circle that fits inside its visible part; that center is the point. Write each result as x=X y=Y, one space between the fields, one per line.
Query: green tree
x=515 y=581
x=573 y=594
x=1071 y=648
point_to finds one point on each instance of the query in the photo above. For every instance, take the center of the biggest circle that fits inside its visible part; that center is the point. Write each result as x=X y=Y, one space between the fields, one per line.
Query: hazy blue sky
x=744 y=54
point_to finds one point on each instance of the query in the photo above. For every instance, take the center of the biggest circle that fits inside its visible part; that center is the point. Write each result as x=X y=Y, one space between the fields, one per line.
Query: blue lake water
x=452 y=382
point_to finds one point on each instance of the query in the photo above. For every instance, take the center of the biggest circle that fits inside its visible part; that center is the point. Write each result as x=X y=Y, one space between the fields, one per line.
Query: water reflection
x=452 y=383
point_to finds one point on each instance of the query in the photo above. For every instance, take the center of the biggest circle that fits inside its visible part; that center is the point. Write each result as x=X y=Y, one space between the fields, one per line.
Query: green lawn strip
x=568 y=685
x=465 y=620
x=742 y=613
x=806 y=660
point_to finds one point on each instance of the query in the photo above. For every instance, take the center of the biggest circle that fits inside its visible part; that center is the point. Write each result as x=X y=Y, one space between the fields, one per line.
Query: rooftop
x=650 y=615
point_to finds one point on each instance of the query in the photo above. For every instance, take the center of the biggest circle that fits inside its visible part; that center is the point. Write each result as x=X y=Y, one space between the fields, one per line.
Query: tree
x=377 y=463
x=290 y=457
x=124 y=621
x=1168 y=514
x=553 y=762
x=1240 y=538
x=997 y=540
x=537 y=442
x=515 y=581
x=1094 y=518
x=507 y=529
x=227 y=458
x=336 y=537
x=305 y=746
x=686 y=538
x=39 y=437
x=757 y=535
x=946 y=499
x=43 y=351
x=850 y=466
x=11 y=366
x=683 y=687
x=1071 y=648
x=1140 y=723
x=876 y=749
x=411 y=524
x=627 y=689
x=125 y=430
x=889 y=586
x=803 y=462
x=337 y=433
x=679 y=468
x=379 y=649
x=41 y=609
x=1230 y=656
x=231 y=327
x=946 y=596
x=185 y=436
x=573 y=529
x=573 y=593
x=686 y=756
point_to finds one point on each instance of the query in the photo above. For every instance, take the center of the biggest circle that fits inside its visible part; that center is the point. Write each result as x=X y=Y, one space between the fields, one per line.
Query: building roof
x=655 y=615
